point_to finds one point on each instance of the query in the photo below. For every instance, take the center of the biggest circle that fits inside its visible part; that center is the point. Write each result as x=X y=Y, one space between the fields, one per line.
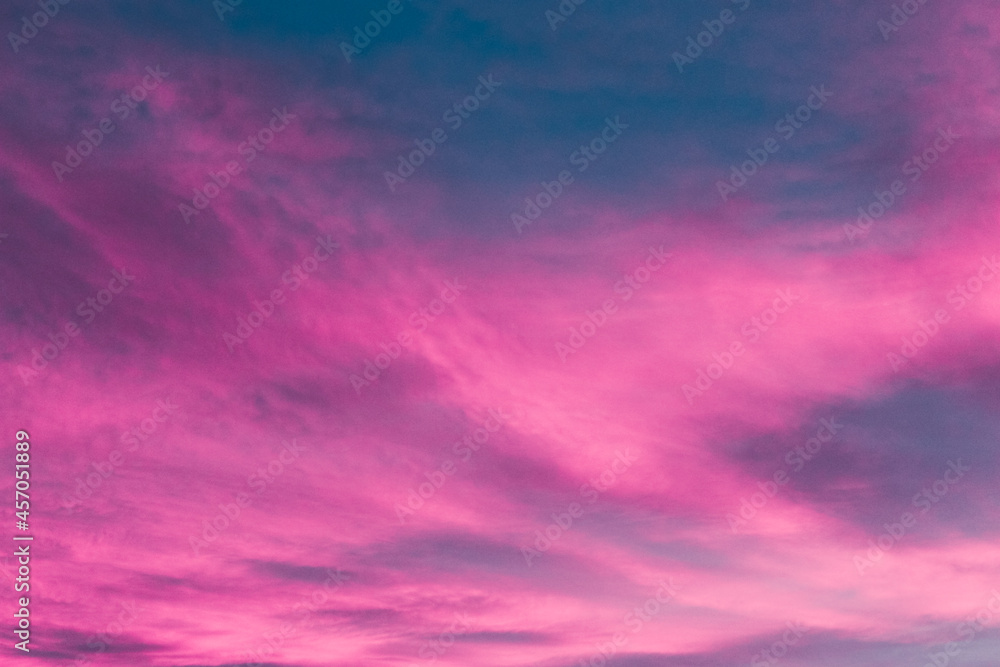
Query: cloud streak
x=546 y=377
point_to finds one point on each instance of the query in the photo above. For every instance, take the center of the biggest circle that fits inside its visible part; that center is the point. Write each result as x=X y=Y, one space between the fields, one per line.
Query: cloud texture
x=503 y=339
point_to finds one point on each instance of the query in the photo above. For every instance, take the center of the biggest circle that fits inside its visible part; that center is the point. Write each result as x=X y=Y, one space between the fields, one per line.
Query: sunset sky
x=507 y=334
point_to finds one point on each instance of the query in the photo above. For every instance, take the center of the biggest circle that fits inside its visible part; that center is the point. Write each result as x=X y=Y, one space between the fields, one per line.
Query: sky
x=505 y=334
